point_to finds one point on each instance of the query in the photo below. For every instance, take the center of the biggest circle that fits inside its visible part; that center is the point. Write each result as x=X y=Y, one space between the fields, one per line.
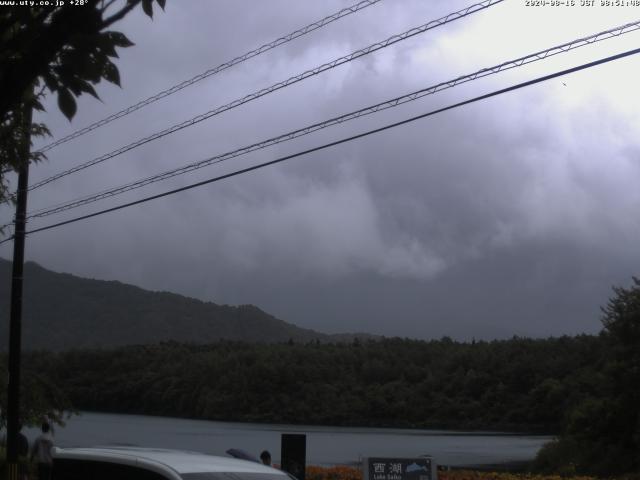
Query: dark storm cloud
x=514 y=216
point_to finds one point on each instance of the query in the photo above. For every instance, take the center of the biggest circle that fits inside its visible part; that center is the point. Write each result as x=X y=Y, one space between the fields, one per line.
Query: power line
x=277 y=86
x=540 y=55
x=341 y=141
x=253 y=53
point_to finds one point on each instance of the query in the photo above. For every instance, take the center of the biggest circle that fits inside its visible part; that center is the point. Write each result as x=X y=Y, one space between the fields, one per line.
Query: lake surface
x=325 y=445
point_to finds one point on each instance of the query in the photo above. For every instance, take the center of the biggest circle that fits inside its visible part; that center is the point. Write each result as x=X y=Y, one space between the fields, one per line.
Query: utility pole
x=15 y=322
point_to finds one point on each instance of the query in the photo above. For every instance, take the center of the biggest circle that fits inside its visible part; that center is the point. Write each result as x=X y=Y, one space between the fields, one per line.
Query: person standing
x=23 y=455
x=41 y=451
x=265 y=457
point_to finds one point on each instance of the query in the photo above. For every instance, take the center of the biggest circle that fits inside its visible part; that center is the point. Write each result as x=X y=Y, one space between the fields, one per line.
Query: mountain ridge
x=62 y=311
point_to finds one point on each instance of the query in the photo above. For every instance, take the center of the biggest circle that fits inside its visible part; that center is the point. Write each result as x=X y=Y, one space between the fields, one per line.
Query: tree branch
x=121 y=14
x=104 y=7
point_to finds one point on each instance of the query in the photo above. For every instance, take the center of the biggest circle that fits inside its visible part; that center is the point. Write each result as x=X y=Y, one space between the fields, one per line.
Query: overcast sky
x=512 y=216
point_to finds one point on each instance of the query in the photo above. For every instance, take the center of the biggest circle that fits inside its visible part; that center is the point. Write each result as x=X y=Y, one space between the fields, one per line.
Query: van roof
x=176 y=460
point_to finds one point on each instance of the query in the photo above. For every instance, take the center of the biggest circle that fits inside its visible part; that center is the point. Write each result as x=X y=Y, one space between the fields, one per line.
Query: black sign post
x=418 y=468
x=294 y=454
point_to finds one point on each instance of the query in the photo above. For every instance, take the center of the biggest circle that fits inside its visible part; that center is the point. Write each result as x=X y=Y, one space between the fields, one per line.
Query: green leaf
x=106 y=45
x=111 y=74
x=39 y=130
x=88 y=88
x=79 y=86
x=119 y=39
x=38 y=106
x=50 y=81
x=147 y=6
x=67 y=103
x=92 y=70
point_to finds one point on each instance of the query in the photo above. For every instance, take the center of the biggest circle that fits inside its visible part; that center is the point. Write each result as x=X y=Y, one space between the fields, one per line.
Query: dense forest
x=583 y=388
x=519 y=384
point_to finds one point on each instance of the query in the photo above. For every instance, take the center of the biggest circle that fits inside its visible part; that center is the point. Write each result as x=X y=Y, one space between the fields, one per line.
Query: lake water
x=325 y=445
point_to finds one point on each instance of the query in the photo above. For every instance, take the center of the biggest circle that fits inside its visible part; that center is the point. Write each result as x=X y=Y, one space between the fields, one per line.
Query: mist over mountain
x=63 y=311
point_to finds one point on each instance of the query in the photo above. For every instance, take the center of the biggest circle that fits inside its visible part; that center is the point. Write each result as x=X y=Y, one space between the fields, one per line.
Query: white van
x=115 y=463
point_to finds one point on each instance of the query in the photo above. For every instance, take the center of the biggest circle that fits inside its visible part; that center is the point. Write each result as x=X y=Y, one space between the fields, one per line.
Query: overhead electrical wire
x=223 y=66
x=277 y=86
x=533 y=57
x=341 y=141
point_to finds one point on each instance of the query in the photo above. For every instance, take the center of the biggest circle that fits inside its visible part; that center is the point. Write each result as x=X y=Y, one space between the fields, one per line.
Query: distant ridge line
x=64 y=311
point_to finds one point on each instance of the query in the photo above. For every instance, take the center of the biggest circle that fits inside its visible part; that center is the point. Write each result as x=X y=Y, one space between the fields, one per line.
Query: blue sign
x=418 y=468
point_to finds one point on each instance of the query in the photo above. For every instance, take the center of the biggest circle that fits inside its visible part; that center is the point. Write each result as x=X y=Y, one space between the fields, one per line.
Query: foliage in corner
x=41 y=396
x=64 y=50
x=602 y=433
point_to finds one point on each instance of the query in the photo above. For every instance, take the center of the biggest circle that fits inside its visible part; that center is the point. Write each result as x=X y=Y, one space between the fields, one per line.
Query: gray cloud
x=512 y=216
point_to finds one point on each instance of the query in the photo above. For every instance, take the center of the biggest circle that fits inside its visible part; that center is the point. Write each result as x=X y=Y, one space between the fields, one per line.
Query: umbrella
x=241 y=454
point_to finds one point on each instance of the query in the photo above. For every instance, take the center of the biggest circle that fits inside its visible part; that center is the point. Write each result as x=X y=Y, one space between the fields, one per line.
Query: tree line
x=519 y=384
x=585 y=389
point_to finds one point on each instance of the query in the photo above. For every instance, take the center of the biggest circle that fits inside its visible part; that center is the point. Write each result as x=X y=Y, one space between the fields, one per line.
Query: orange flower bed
x=333 y=473
x=353 y=473
x=473 y=475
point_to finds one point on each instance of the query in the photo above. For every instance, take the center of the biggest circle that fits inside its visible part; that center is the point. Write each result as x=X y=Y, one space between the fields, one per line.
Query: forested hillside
x=518 y=384
x=584 y=388
x=62 y=311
